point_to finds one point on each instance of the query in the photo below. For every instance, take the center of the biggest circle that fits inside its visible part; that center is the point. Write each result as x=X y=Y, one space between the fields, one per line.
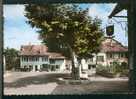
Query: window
x=52 y=61
x=25 y=66
x=90 y=60
x=45 y=58
x=30 y=67
x=22 y=58
x=33 y=58
x=25 y=59
x=30 y=58
x=122 y=55
x=100 y=58
x=91 y=66
x=57 y=66
x=111 y=55
x=36 y=59
x=126 y=55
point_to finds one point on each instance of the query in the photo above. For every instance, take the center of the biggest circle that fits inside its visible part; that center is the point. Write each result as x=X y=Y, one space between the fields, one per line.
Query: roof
x=107 y=45
x=39 y=50
x=111 y=45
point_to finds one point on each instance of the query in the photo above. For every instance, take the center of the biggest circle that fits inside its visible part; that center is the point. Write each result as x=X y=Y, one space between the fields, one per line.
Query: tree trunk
x=75 y=67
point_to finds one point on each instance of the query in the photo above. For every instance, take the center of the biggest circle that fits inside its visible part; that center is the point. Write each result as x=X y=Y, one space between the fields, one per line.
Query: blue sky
x=17 y=32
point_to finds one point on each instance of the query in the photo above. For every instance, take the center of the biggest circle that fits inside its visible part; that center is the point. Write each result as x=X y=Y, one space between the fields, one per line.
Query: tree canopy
x=66 y=28
x=60 y=25
x=11 y=58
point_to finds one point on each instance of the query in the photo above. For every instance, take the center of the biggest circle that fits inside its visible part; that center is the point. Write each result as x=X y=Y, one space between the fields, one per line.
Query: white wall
x=62 y=64
x=84 y=64
x=94 y=59
x=40 y=62
x=106 y=59
x=59 y=62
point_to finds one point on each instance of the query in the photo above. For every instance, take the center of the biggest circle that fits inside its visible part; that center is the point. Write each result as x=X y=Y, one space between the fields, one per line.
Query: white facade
x=104 y=59
x=37 y=63
x=107 y=58
x=61 y=63
x=84 y=64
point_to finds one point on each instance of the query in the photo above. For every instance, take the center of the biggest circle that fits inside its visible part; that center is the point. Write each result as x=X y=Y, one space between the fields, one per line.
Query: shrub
x=124 y=65
x=114 y=69
x=102 y=68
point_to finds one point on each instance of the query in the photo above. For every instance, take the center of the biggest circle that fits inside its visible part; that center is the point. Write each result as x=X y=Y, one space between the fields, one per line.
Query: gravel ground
x=43 y=83
x=42 y=89
x=31 y=83
x=96 y=87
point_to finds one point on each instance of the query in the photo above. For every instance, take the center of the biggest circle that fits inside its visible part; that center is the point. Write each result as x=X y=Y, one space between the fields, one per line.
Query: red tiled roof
x=108 y=45
x=111 y=45
x=39 y=50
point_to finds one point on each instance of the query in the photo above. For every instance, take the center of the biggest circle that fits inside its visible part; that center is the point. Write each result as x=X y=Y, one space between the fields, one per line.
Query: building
x=110 y=51
x=37 y=58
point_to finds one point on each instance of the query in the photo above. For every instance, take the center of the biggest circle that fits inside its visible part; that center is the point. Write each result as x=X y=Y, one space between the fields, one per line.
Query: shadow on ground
x=40 y=79
x=100 y=87
x=95 y=87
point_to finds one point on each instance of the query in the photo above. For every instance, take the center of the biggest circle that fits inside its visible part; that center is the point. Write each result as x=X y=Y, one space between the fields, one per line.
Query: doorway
x=36 y=68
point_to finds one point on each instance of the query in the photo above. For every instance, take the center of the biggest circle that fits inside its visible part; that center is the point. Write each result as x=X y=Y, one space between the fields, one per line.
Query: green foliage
x=114 y=68
x=117 y=67
x=66 y=28
x=63 y=25
x=124 y=65
x=102 y=68
x=11 y=58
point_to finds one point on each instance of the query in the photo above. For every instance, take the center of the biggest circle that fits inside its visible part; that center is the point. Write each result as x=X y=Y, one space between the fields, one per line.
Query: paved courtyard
x=43 y=83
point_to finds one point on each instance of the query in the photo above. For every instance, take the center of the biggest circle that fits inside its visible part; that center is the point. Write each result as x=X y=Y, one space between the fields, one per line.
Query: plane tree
x=66 y=28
